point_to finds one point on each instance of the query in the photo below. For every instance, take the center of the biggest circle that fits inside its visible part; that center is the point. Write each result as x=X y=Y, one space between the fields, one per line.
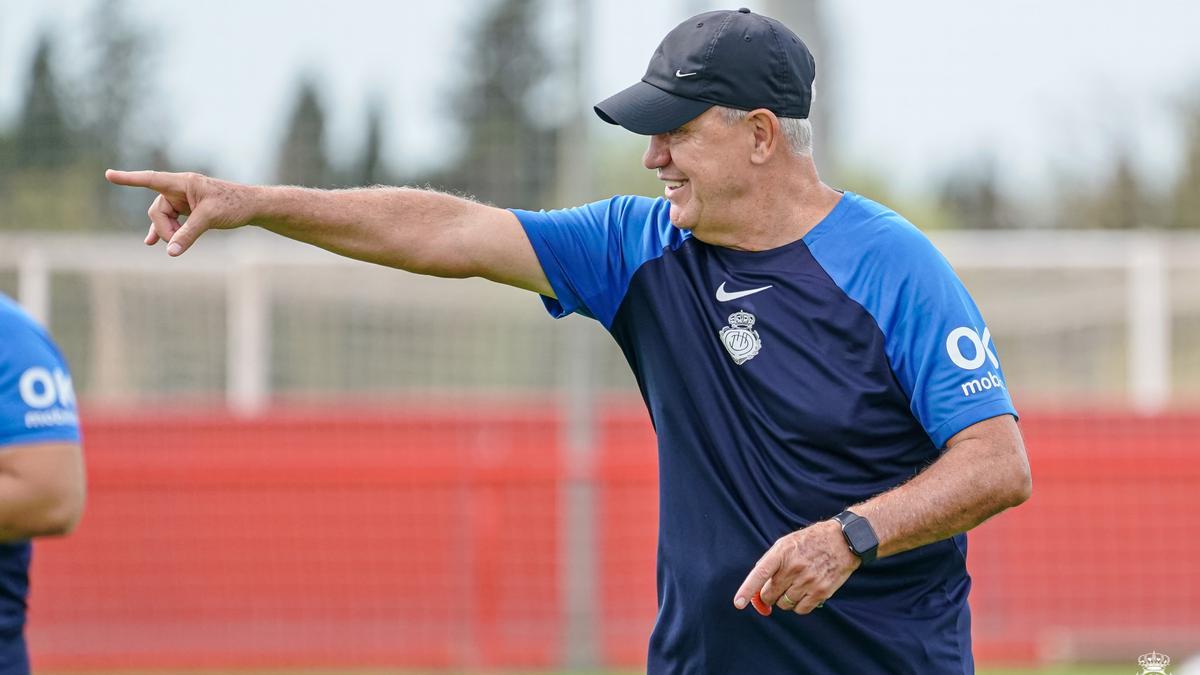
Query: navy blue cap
x=735 y=59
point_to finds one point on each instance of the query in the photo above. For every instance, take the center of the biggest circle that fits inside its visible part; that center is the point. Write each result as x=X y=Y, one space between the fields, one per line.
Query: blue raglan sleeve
x=589 y=253
x=937 y=343
x=37 y=400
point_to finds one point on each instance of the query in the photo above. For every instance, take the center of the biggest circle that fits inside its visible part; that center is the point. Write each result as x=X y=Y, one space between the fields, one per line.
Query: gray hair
x=798 y=132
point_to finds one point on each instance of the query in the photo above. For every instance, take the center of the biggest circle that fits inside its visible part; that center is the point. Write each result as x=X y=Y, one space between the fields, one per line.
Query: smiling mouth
x=673 y=185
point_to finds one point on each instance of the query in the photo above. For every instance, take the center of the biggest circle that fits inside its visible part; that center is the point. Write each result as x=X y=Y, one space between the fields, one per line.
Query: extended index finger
x=763 y=570
x=159 y=181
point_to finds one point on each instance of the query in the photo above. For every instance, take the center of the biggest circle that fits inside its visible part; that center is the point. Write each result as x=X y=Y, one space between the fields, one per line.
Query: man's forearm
x=979 y=475
x=415 y=230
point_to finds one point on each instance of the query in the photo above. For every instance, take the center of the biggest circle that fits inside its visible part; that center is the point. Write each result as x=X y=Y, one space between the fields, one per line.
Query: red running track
x=429 y=536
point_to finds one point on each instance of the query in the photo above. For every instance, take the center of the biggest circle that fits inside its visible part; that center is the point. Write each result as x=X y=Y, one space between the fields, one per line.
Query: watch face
x=860 y=536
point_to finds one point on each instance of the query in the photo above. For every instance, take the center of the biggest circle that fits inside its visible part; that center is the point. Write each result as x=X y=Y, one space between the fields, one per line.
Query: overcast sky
x=922 y=87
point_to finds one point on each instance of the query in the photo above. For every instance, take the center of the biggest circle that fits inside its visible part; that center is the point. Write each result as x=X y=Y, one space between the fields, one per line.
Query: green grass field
x=1048 y=670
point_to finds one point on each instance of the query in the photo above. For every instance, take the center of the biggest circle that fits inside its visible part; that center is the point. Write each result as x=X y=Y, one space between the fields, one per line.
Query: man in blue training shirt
x=830 y=410
x=41 y=465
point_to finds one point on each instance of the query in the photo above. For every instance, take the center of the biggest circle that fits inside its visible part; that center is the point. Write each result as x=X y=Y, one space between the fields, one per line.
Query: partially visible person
x=42 y=483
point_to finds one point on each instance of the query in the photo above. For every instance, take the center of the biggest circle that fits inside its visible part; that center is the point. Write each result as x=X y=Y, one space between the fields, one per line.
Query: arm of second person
x=42 y=489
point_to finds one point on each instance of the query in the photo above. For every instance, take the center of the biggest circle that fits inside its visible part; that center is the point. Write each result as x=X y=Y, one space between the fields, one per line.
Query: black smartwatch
x=859 y=535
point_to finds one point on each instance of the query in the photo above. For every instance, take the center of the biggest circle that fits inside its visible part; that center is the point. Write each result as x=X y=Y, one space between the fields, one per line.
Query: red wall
x=427 y=536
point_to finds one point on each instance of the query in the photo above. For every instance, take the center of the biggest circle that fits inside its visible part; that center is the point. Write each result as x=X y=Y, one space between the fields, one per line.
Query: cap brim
x=647 y=110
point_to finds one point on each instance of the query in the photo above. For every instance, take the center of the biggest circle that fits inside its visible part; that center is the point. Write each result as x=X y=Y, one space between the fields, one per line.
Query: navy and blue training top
x=37 y=405
x=785 y=385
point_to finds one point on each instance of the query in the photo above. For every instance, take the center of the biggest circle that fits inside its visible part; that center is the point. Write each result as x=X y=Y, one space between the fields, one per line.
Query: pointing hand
x=207 y=203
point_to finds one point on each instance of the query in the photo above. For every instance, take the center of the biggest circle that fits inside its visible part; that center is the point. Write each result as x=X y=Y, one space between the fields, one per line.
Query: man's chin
x=679 y=219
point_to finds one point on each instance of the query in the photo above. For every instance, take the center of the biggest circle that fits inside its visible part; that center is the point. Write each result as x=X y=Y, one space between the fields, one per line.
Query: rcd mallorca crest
x=740 y=338
x=1154 y=663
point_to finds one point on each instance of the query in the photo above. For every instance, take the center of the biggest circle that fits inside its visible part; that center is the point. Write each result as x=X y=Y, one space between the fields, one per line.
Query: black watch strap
x=859 y=534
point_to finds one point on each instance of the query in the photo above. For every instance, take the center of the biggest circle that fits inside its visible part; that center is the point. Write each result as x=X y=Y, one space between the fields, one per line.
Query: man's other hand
x=800 y=571
x=206 y=203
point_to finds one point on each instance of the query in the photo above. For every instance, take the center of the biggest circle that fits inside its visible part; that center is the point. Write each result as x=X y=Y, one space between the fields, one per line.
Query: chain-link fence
x=300 y=460
x=328 y=433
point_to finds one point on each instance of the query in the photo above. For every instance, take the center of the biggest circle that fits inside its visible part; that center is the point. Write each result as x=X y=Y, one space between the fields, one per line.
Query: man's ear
x=767 y=134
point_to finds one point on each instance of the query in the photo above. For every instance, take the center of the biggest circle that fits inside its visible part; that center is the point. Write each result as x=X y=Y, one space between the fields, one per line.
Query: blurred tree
x=43 y=137
x=1120 y=203
x=8 y=156
x=113 y=82
x=1185 y=195
x=50 y=167
x=302 y=159
x=617 y=168
x=120 y=54
x=370 y=169
x=510 y=156
x=973 y=198
x=42 y=182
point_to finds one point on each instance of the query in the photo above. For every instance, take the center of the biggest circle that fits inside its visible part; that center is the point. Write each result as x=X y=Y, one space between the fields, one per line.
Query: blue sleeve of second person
x=37 y=399
x=589 y=253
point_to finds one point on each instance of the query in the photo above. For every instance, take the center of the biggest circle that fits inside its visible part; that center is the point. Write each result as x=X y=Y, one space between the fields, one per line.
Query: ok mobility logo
x=50 y=397
x=980 y=348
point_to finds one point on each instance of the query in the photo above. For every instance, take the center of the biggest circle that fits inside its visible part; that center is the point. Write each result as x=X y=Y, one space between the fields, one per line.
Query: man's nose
x=656 y=155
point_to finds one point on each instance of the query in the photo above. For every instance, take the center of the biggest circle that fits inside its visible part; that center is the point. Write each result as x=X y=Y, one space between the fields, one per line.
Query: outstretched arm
x=420 y=231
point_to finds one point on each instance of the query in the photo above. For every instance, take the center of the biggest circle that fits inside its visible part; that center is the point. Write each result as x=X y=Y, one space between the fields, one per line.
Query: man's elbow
x=63 y=517
x=1018 y=486
x=1021 y=489
x=44 y=487
x=57 y=514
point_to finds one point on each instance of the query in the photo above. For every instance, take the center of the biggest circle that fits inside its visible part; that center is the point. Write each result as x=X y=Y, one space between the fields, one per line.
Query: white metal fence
x=1091 y=319
x=1080 y=319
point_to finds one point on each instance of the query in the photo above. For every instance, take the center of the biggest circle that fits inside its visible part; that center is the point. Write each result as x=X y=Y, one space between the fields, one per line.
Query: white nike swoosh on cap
x=680 y=73
x=724 y=296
